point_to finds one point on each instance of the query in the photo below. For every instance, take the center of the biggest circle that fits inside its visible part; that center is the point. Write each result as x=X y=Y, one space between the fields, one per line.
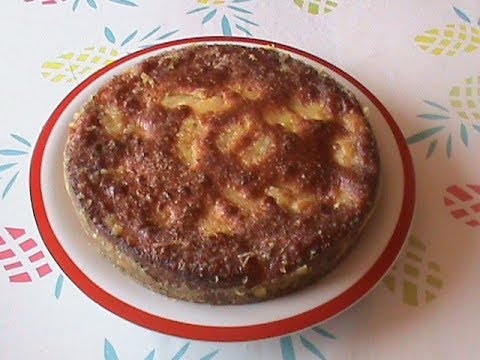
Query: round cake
x=222 y=174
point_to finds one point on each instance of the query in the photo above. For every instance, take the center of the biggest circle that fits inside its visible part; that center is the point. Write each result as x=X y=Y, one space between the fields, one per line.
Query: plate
x=380 y=245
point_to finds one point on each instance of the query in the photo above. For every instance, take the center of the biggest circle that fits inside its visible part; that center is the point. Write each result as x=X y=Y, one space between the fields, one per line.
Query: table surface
x=421 y=59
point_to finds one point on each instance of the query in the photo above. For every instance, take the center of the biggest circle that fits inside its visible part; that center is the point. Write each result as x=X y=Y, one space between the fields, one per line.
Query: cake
x=222 y=174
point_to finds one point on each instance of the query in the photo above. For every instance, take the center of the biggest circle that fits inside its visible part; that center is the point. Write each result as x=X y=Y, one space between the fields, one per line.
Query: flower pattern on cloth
x=73 y=67
x=451 y=39
x=444 y=127
x=451 y=124
x=233 y=15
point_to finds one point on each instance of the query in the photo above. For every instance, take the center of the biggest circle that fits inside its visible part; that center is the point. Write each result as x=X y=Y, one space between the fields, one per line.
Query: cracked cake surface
x=221 y=173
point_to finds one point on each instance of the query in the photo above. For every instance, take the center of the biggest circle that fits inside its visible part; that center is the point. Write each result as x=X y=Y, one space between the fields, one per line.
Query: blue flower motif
x=59 y=286
x=110 y=353
x=151 y=38
x=183 y=350
x=9 y=163
x=440 y=115
x=462 y=15
x=288 y=348
x=232 y=15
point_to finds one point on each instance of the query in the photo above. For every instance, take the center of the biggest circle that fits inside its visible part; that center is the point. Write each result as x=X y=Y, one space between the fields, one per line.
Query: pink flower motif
x=21 y=257
x=463 y=202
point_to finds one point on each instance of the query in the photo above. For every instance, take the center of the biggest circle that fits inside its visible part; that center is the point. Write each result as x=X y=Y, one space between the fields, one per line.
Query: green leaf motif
x=476 y=127
x=209 y=16
x=424 y=134
x=449 y=145
x=12 y=152
x=198 y=10
x=244 y=30
x=181 y=352
x=433 y=117
x=150 y=356
x=109 y=35
x=286 y=345
x=226 y=28
x=109 y=352
x=9 y=185
x=232 y=17
x=462 y=15
x=324 y=332
x=434 y=104
x=151 y=33
x=124 y=2
x=168 y=34
x=249 y=22
x=129 y=38
x=92 y=4
x=5 y=167
x=21 y=139
x=241 y=10
x=431 y=148
x=288 y=350
x=464 y=134
x=210 y=356
x=312 y=348
x=59 y=286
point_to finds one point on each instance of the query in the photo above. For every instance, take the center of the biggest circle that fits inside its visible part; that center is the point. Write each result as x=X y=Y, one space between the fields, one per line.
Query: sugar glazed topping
x=223 y=167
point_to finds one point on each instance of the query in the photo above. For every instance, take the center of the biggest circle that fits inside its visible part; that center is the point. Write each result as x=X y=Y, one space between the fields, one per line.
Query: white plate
x=358 y=273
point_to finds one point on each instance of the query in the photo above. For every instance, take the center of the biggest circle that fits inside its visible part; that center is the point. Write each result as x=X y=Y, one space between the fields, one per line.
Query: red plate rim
x=222 y=333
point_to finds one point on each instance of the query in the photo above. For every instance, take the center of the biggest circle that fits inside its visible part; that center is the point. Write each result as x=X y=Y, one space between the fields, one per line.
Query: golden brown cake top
x=223 y=164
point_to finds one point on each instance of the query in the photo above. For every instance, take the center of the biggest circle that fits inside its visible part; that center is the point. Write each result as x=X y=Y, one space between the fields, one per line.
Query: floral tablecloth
x=420 y=58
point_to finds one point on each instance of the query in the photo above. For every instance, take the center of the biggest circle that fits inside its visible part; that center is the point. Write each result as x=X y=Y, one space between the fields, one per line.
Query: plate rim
x=224 y=333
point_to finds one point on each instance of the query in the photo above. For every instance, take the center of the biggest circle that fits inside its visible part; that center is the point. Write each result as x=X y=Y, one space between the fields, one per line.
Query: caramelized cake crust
x=221 y=173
